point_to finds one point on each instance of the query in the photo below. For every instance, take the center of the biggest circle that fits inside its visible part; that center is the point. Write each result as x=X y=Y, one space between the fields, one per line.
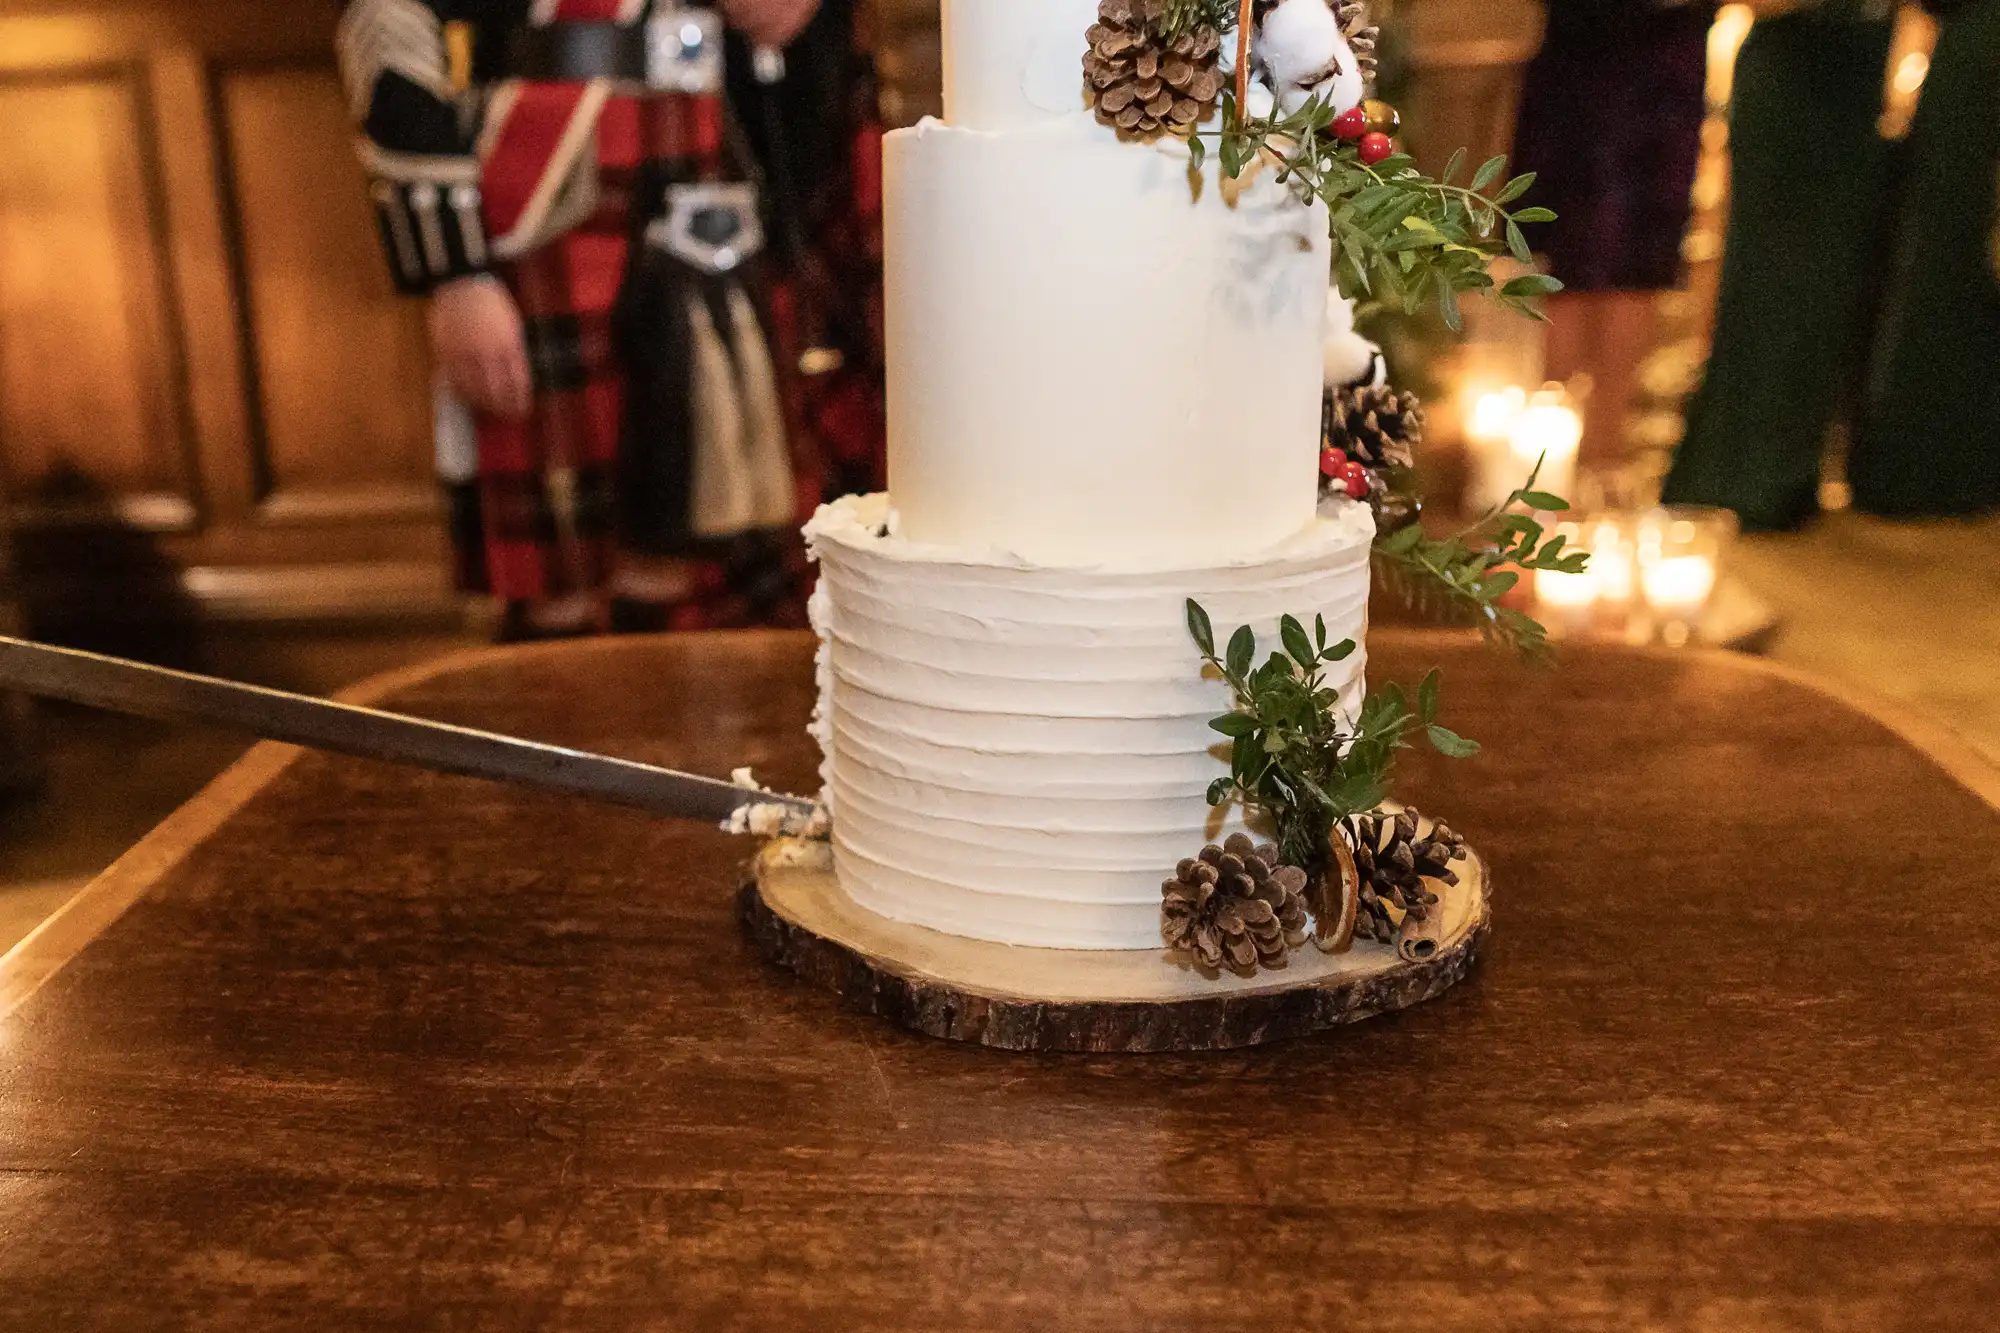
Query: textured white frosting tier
x=1019 y=752
x=1092 y=355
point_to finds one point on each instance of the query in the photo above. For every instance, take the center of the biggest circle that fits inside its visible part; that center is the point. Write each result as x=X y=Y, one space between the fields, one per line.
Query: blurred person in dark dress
x=1858 y=275
x=1610 y=121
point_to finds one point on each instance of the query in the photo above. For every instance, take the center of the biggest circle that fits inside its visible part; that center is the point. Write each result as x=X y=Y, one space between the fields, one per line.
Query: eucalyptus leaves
x=1399 y=236
x=1293 y=753
x=1462 y=578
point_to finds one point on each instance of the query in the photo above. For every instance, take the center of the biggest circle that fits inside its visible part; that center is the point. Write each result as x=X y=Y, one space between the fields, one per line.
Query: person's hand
x=476 y=332
x=769 y=22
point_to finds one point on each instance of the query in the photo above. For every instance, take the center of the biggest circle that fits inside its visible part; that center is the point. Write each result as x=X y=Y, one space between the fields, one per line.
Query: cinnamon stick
x=1243 y=21
x=1419 y=941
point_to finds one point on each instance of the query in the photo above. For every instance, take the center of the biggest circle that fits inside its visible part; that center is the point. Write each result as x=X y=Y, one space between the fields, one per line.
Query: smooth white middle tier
x=1021 y=753
x=1092 y=356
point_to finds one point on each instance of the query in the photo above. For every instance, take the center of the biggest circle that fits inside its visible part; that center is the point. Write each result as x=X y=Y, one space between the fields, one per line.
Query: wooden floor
x=1909 y=611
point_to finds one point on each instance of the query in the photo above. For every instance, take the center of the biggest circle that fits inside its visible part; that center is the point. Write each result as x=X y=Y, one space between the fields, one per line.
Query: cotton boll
x=1344 y=90
x=1299 y=42
x=1301 y=46
x=1350 y=358
x=1258 y=100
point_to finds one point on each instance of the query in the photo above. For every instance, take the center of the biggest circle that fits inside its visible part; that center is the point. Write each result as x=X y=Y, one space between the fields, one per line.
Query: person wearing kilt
x=552 y=175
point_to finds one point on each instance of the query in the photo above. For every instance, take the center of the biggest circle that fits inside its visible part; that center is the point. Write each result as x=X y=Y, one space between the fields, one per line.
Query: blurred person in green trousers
x=1858 y=275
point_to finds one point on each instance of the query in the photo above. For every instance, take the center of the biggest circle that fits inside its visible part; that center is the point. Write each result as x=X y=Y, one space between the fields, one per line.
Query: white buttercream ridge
x=1021 y=752
x=856 y=522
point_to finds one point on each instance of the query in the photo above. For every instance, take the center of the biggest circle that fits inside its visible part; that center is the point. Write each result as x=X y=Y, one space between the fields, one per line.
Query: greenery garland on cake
x=1294 y=755
x=1400 y=237
x=1318 y=778
x=1298 y=763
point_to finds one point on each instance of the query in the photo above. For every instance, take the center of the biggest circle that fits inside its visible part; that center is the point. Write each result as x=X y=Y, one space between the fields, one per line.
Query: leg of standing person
x=1808 y=179
x=1605 y=336
x=1611 y=123
x=545 y=481
x=1930 y=438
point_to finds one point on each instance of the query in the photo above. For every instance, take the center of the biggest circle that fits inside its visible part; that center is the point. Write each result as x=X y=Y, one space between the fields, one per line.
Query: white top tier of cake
x=1010 y=64
x=1094 y=354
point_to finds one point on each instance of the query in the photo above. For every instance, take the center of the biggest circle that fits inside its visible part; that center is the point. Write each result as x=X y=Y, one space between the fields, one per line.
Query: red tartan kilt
x=546 y=489
x=544 y=538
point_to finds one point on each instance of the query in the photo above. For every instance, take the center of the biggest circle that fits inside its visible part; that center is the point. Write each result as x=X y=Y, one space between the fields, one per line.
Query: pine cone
x=1376 y=427
x=1234 y=904
x=1143 y=85
x=1394 y=862
x=1361 y=35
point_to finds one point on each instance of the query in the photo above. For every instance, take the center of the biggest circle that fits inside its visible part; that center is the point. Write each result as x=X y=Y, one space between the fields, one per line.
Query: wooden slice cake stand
x=1023 y=999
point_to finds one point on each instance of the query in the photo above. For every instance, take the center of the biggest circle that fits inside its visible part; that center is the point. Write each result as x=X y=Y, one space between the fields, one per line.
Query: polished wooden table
x=344 y=1046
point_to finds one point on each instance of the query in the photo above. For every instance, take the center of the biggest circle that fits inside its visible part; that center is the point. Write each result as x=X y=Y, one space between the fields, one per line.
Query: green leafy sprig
x=1400 y=237
x=1185 y=15
x=1462 y=578
x=1293 y=754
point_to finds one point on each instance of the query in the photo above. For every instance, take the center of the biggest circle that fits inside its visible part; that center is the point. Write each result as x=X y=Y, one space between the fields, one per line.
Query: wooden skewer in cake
x=1244 y=18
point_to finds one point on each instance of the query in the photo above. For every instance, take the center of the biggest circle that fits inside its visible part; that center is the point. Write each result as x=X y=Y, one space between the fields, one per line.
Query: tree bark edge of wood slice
x=801 y=921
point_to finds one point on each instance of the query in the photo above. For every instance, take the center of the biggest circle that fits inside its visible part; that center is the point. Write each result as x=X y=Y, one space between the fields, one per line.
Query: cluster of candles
x=1510 y=431
x=1651 y=575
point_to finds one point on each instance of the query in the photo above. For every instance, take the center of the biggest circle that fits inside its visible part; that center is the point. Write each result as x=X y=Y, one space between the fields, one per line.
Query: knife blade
x=370 y=733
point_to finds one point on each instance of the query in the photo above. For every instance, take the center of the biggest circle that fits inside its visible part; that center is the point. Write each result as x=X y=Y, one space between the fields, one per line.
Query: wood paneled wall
x=1470 y=56
x=201 y=362
x=207 y=389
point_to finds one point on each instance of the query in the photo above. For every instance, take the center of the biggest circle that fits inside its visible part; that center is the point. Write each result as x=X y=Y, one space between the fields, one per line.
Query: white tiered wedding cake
x=1014 y=719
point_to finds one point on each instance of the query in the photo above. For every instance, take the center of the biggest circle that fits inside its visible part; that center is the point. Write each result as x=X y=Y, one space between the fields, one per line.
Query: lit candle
x=1679 y=585
x=1493 y=415
x=1549 y=432
x=1679 y=558
x=1572 y=594
x=1489 y=422
x=1611 y=552
x=1566 y=592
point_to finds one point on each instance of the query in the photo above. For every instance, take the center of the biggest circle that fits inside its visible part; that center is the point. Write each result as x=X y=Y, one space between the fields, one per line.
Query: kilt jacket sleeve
x=416 y=142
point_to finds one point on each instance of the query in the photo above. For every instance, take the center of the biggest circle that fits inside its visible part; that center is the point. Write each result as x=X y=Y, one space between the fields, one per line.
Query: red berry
x=1331 y=461
x=1374 y=146
x=1355 y=477
x=1351 y=124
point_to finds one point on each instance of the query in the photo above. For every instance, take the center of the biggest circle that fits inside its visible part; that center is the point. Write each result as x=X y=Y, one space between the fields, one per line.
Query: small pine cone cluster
x=1394 y=860
x=1143 y=85
x=1375 y=426
x=1235 y=905
x=1361 y=35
